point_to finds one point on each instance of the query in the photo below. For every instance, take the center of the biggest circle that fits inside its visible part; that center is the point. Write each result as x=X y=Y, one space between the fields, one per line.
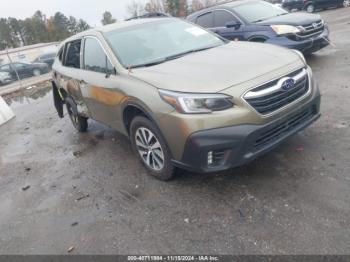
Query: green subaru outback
x=185 y=97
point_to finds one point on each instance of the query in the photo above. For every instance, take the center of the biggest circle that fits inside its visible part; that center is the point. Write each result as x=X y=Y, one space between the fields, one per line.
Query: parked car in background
x=47 y=58
x=24 y=70
x=260 y=21
x=312 y=5
x=5 y=78
x=185 y=97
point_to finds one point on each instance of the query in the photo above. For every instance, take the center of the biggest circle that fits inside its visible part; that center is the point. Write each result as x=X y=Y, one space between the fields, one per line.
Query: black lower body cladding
x=237 y=145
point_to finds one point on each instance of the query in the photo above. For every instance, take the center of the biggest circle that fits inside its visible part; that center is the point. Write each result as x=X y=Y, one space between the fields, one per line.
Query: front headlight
x=285 y=29
x=196 y=103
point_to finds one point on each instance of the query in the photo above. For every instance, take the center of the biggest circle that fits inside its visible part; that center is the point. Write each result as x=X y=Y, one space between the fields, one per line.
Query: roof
x=237 y=3
x=125 y=24
x=115 y=26
x=149 y=15
x=228 y=4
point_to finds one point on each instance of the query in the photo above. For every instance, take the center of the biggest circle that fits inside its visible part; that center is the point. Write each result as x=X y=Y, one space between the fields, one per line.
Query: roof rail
x=148 y=15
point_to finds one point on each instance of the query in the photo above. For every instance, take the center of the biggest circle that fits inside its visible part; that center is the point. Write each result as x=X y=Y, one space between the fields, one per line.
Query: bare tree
x=135 y=9
x=200 y=4
x=155 y=6
x=107 y=18
x=182 y=8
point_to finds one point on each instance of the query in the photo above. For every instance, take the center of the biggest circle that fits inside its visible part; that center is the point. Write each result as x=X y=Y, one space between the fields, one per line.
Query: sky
x=89 y=10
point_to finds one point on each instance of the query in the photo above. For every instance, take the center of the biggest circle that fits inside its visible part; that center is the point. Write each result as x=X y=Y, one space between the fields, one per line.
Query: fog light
x=210 y=158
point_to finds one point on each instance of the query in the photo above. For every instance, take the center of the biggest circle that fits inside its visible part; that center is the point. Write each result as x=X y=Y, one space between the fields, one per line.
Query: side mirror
x=233 y=24
x=110 y=71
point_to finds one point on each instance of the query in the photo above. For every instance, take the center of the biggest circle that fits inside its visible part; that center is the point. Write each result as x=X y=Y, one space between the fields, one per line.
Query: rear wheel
x=150 y=146
x=346 y=3
x=36 y=72
x=79 y=122
x=310 y=8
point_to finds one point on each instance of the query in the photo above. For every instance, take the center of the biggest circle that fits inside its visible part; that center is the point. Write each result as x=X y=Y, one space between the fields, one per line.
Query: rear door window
x=73 y=54
x=95 y=59
x=206 y=20
x=222 y=17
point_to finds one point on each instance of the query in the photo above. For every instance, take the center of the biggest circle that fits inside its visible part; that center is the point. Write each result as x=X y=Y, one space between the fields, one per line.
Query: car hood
x=218 y=68
x=295 y=19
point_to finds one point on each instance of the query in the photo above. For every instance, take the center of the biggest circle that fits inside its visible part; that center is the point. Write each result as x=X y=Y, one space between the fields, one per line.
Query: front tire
x=151 y=148
x=310 y=8
x=346 y=3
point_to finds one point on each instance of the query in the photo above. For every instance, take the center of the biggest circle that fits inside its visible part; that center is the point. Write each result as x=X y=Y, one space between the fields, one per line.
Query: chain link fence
x=26 y=64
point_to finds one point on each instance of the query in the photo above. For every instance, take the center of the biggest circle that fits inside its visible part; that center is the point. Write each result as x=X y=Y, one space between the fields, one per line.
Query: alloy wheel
x=149 y=148
x=346 y=3
x=36 y=72
x=310 y=8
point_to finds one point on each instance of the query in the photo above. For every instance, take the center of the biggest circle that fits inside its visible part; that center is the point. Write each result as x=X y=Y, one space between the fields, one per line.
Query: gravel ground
x=60 y=189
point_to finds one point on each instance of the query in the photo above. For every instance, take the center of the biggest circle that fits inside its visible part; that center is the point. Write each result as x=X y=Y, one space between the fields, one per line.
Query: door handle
x=82 y=82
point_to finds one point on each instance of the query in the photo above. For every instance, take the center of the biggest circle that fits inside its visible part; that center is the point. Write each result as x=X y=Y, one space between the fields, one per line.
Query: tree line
x=42 y=29
x=38 y=29
x=177 y=8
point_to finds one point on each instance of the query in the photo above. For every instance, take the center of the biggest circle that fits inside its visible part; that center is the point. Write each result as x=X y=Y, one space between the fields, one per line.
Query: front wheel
x=346 y=3
x=310 y=8
x=150 y=146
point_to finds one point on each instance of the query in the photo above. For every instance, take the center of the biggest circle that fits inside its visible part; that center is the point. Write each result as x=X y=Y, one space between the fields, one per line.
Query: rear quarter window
x=72 y=54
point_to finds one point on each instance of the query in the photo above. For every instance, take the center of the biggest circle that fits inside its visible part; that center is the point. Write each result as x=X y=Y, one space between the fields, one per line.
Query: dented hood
x=218 y=68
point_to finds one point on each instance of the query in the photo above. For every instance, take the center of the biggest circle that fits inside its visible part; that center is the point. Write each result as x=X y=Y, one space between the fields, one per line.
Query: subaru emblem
x=288 y=84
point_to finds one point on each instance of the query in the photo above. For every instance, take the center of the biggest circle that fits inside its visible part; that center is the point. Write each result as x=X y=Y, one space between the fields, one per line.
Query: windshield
x=158 y=40
x=259 y=11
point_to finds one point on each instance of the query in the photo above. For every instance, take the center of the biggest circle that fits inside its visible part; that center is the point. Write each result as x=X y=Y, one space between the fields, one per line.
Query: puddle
x=28 y=96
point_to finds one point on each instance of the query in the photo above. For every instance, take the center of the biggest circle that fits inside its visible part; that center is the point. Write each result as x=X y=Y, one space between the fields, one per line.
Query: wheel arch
x=132 y=109
x=255 y=38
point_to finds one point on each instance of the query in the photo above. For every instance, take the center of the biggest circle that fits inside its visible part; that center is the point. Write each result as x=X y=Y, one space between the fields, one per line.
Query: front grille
x=283 y=128
x=313 y=29
x=270 y=97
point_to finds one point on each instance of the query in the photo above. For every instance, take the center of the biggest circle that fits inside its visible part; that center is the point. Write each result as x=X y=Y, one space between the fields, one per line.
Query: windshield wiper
x=257 y=21
x=148 y=64
x=187 y=52
x=171 y=57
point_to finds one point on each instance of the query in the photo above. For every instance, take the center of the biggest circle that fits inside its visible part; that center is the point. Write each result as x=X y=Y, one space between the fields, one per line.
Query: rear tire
x=36 y=72
x=79 y=122
x=151 y=148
